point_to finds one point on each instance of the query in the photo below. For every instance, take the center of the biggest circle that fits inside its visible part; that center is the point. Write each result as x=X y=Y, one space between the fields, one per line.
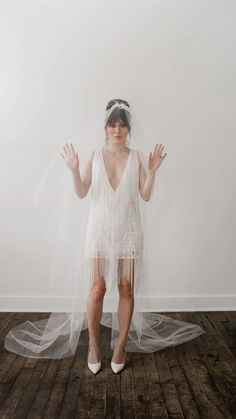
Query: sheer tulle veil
x=66 y=218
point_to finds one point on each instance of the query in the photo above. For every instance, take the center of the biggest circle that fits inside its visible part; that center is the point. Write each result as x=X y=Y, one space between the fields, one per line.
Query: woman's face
x=117 y=132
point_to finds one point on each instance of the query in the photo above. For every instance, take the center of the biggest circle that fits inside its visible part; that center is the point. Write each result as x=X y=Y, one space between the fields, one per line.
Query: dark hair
x=117 y=113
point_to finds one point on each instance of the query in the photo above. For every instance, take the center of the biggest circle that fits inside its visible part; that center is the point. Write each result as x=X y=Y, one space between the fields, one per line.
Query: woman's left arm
x=146 y=178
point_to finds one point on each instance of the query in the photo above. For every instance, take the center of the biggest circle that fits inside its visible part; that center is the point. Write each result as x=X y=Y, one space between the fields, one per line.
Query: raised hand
x=71 y=157
x=155 y=159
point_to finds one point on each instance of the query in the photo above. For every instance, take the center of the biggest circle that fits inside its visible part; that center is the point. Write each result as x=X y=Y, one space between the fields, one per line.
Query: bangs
x=118 y=115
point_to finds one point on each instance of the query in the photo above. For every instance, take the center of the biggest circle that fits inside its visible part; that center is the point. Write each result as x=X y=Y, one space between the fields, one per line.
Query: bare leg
x=94 y=311
x=125 y=311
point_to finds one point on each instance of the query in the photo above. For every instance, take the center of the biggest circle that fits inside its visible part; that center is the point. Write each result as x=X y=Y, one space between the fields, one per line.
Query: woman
x=98 y=247
x=114 y=158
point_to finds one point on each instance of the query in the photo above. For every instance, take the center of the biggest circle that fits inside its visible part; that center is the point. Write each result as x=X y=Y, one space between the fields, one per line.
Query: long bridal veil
x=65 y=225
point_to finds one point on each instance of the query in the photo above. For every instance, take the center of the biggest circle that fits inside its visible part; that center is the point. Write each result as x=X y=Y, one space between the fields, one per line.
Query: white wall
x=177 y=61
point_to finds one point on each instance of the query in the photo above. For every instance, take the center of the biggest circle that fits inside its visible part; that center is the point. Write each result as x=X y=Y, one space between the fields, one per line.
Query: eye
x=113 y=124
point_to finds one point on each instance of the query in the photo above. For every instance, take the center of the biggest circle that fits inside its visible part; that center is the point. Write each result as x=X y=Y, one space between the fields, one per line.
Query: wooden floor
x=194 y=380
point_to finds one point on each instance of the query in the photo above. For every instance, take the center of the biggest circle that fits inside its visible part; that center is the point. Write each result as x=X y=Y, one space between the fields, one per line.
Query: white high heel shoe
x=95 y=366
x=117 y=367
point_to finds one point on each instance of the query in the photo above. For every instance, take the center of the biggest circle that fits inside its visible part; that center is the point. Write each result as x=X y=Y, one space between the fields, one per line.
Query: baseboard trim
x=155 y=303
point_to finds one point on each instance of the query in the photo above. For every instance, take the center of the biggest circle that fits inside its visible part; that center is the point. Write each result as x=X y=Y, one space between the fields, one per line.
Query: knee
x=125 y=289
x=98 y=290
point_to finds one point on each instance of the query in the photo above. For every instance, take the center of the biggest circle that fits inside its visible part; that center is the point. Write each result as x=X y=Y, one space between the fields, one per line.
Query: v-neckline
x=123 y=174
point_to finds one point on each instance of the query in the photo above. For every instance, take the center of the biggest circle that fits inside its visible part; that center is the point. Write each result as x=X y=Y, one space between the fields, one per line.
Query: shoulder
x=137 y=154
x=134 y=151
x=95 y=152
x=90 y=159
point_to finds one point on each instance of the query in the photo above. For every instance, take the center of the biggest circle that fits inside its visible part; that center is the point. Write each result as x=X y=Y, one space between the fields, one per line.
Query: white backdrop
x=177 y=60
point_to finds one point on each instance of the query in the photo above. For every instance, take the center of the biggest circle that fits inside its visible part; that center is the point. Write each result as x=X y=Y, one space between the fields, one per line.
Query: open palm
x=155 y=159
x=71 y=157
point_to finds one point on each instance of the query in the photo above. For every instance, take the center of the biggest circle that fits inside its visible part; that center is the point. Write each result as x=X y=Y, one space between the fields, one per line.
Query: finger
x=72 y=148
x=155 y=149
x=65 y=150
x=62 y=155
x=68 y=148
x=159 y=149
x=164 y=156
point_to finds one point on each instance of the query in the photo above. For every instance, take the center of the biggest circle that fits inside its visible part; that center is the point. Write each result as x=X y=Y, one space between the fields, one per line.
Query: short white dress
x=114 y=239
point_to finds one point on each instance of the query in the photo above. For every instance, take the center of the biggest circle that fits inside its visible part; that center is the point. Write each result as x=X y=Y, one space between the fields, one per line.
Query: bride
x=115 y=156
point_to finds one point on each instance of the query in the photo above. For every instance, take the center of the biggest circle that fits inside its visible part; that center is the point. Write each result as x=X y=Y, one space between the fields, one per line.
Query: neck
x=116 y=148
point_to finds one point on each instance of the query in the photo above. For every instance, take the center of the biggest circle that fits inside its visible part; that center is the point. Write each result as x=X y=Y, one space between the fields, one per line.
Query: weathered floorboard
x=193 y=380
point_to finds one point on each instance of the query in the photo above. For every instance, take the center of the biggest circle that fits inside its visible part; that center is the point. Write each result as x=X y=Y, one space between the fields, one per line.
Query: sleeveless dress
x=114 y=236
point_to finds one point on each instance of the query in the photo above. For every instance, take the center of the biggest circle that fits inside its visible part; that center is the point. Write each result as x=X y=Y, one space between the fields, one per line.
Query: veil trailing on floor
x=65 y=228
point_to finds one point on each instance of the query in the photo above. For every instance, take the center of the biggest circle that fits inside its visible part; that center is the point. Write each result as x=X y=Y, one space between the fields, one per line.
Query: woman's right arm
x=82 y=184
x=71 y=158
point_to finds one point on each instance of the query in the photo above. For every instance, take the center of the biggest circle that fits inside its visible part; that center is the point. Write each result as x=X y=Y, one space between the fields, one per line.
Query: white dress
x=114 y=232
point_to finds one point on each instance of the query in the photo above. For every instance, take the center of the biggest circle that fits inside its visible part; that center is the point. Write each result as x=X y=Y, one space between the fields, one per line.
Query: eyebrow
x=112 y=122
